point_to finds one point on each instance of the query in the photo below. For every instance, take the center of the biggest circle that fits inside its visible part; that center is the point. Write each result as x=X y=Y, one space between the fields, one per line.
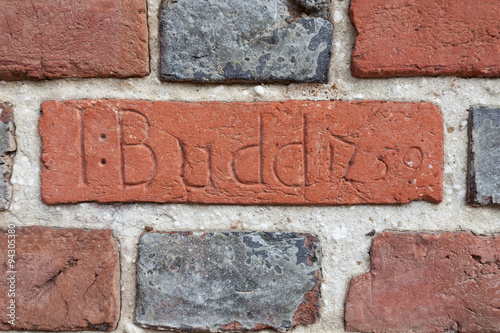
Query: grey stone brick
x=227 y=281
x=484 y=156
x=7 y=151
x=241 y=40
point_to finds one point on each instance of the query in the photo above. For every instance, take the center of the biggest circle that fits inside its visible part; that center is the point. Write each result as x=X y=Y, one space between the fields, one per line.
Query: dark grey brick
x=484 y=156
x=241 y=40
x=7 y=151
x=227 y=281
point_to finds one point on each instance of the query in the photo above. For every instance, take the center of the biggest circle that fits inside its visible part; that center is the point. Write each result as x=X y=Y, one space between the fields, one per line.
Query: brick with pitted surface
x=49 y=39
x=293 y=152
x=65 y=279
x=429 y=283
x=426 y=37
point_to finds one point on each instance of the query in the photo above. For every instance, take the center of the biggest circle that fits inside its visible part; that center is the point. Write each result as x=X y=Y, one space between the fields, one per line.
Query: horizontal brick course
x=427 y=283
x=65 y=280
x=426 y=37
x=294 y=152
x=48 y=39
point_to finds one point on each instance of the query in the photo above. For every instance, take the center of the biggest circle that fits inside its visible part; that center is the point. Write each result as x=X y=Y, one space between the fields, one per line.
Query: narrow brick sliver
x=484 y=156
x=428 y=283
x=426 y=37
x=49 y=39
x=7 y=152
x=227 y=281
x=294 y=152
x=65 y=280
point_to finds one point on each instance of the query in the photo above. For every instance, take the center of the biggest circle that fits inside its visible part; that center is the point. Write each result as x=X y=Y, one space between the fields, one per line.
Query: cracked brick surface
x=66 y=280
x=227 y=281
x=428 y=283
x=7 y=152
x=47 y=39
x=426 y=37
x=293 y=152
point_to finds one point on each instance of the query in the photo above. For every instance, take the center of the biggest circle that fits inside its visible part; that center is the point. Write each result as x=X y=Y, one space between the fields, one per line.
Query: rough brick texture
x=294 y=152
x=240 y=40
x=46 y=39
x=67 y=279
x=484 y=156
x=7 y=151
x=428 y=283
x=227 y=281
x=426 y=37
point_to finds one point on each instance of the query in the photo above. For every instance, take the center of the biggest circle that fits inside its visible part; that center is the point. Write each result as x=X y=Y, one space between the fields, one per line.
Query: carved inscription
x=295 y=152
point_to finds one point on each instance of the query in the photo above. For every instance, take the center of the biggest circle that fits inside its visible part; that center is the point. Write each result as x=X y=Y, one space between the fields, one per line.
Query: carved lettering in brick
x=7 y=151
x=227 y=281
x=48 y=39
x=294 y=152
x=426 y=37
x=484 y=156
x=428 y=283
x=63 y=280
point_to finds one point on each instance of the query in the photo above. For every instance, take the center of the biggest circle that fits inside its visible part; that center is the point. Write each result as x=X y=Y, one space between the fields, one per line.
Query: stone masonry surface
x=293 y=152
x=66 y=280
x=7 y=151
x=227 y=281
x=428 y=283
x=484 y=156
x=426 y=37
x=47 y=39
x=346 y=232
x=241 y=40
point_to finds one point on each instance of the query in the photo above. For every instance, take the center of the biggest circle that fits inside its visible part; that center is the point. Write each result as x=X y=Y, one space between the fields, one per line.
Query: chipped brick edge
x=307 y=312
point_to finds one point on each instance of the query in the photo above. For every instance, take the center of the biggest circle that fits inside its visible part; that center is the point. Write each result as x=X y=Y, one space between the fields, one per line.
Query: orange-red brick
x=47 y=39
x=428 y=283
x=294 y=152
x=426 y=37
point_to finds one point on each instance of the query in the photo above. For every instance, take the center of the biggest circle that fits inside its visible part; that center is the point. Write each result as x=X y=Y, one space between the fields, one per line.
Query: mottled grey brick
x=484 y=156
x=241 y=40
x=227 y=281
x=7 y=151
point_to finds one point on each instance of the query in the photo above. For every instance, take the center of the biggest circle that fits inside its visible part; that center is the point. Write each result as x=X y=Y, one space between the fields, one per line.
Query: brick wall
x=234 y=165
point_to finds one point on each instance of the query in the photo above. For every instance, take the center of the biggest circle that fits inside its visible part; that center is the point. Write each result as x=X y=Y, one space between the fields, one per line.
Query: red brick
x=428 y=283
x=294 y=152
x=426 y=37
x=46 y=39
x=65 y=280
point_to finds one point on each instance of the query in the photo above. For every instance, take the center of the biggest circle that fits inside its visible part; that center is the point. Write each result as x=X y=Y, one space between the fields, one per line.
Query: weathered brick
x=47 y=39
x=240 y=40
x=428 y=283
x=426 y=37
x=7 y=151
x=294 y=152
x=65 y=280
x=227 y=281
x=484 y=156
